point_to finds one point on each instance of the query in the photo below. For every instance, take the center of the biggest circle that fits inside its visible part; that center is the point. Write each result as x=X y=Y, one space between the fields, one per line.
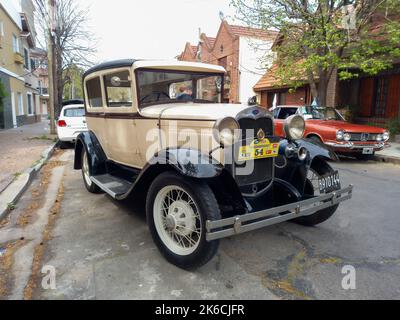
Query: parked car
x=327 y=126
x=71 y=123
x=206 y=170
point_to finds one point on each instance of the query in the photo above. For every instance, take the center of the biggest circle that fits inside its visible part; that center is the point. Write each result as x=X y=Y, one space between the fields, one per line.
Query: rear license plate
x=368 y=151
x=329 y=182
x=259 y=149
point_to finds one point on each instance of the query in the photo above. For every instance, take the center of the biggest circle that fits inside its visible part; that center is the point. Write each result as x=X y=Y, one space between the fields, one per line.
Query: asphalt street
x=102 y=249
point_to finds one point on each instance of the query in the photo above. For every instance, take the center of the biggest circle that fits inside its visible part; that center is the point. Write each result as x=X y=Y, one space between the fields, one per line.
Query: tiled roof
x=268 y=80
x=253 y=33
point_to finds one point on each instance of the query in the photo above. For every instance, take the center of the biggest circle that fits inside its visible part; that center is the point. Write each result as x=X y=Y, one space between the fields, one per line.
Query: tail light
x=62 y=123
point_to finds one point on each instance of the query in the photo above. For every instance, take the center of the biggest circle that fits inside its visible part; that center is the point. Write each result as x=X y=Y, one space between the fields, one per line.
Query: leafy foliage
x=318 y=37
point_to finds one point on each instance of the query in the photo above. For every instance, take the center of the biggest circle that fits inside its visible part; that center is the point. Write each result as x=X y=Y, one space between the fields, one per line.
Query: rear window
x=74 y=113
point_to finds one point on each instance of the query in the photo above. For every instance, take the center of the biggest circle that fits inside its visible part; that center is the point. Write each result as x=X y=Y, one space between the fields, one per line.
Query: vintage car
x=205 y=170
x=328 y=126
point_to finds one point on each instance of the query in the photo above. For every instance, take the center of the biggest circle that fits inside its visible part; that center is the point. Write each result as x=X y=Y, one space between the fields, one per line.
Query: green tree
x=73 y=83
x=319 y=37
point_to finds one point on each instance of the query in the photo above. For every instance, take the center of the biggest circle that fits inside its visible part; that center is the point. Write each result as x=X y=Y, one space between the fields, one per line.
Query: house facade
x=372 y=99
x=21 y=105
x=234 y=48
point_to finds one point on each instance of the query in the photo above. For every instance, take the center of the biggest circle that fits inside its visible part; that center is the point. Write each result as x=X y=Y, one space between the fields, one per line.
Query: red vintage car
x=326 y=125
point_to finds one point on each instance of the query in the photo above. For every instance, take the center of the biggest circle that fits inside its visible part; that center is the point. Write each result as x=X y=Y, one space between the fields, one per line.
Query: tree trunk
x=322 y=88
x=313 y=85
x=60 y=83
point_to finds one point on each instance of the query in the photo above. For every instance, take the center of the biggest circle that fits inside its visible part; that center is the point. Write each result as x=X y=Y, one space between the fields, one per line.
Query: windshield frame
x=340 y=117
x=171 y=101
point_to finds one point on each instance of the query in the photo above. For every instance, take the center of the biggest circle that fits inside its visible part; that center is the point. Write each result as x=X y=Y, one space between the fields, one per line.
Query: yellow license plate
x=259 y=149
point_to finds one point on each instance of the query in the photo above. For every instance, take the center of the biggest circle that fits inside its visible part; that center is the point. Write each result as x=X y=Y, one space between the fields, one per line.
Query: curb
x=16 y=189
x=387 y=159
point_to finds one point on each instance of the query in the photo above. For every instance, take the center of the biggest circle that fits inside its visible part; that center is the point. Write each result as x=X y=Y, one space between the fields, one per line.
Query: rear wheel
x=89 y=184
x=177 y=212
x=316 y=171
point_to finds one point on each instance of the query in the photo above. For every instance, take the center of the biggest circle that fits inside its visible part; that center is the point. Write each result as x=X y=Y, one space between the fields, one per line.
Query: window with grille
x=381 y=96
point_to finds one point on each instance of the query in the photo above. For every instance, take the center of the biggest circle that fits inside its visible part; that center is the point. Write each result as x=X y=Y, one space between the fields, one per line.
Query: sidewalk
x=22 y=149
x=391 y=154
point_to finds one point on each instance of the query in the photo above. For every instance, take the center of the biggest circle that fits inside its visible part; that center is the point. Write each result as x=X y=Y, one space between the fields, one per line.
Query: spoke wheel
x=90 y=186
x=177 y=210
x=85 y=169
x=177 y=220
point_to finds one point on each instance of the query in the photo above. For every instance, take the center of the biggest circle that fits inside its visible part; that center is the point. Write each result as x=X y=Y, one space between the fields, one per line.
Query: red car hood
x=348 y=127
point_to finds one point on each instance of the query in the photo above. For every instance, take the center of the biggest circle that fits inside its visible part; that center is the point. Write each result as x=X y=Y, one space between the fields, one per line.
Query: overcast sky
x=151 y=29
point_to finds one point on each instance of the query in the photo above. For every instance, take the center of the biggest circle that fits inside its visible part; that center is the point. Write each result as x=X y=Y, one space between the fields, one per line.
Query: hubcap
x=177 y=220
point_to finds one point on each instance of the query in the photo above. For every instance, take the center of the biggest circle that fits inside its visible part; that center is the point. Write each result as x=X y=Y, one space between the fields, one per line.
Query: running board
x=114 y=186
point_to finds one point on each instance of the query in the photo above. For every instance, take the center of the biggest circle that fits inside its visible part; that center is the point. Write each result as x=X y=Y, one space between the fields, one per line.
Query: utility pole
x=51 y=64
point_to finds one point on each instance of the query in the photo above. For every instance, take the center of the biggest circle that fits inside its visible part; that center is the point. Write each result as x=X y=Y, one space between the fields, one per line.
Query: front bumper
x=249 y=222
x=351 y=146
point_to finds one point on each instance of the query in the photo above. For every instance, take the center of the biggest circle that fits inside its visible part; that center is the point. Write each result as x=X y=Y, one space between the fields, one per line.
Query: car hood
x=348 y=127
x=194 y=111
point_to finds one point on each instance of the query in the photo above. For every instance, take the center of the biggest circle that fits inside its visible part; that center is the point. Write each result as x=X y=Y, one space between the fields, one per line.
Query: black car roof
x=110 y=65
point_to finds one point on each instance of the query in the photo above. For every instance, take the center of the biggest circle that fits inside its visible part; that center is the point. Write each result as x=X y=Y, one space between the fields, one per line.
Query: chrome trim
x=249 y=222
x=352 y=146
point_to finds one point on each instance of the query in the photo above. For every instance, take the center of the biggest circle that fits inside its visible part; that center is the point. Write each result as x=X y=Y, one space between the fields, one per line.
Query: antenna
x=221 y=16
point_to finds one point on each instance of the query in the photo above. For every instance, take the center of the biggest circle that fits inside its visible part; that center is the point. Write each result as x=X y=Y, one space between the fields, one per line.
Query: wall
x=250 y=66
x=6 y=52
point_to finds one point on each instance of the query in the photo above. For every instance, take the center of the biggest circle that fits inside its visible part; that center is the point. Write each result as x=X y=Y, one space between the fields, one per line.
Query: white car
x=71 y=123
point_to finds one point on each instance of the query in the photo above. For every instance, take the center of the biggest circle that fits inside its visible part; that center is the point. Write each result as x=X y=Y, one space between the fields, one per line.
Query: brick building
x=374 y=99
x=234 y=49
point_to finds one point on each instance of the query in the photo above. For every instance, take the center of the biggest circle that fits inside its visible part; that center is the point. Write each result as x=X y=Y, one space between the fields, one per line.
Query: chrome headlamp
x=340 y=135
x=226 y=131
x=294 y=127
x=386 y=136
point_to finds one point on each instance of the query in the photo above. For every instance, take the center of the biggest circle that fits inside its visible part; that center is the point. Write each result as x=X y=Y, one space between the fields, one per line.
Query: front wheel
x=317 y=170
x=177 y=212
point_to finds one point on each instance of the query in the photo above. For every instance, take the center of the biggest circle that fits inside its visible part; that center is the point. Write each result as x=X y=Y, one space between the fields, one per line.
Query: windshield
x=159 y=87
x=74 y=113
x=320 y=113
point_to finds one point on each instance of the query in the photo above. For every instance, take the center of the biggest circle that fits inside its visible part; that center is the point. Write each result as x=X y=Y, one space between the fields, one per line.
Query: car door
x=95 y=108
x=120 y=118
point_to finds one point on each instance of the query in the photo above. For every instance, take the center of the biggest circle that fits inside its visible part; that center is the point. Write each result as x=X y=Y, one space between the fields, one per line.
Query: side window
x=118 y=89
x=93 y=88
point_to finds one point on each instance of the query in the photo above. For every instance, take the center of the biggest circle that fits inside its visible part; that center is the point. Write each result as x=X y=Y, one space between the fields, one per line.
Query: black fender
x=189 y=162
x=96 y=155
x=317 y=150
x=295 y=171
x=193 y=164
